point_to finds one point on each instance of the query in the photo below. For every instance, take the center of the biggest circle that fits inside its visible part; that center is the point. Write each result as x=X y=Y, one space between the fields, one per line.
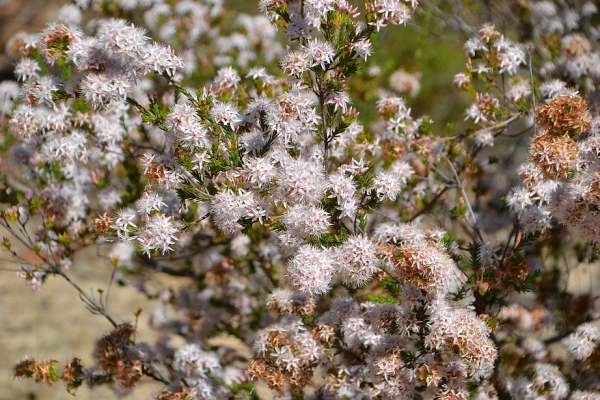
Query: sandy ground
x=55 y=324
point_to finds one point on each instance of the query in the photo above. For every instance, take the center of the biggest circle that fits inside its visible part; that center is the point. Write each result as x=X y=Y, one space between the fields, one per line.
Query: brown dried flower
x=116 y=355
x=103 y=224
x=181 y=393
x=424 y=264
x=72 y=375
x=287 y=302
x=530 y=174
x=284 y=361
x=56 y=41
x=575 y=46
x=40 y=371
x=555 y=155
x=565 y=115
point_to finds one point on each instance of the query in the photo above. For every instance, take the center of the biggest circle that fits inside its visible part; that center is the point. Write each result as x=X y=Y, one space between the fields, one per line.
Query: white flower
x=303 y=220
x=357 y=260
x=511 y=58
x=258 y=171
x=159 y=233
x=321 y=53
x=387 y=184
x=226 y=210
x=26 y=69
x=295 y=63
x=124 y=222
x=189 y=130
x=300 y=181
x=310 y=270
x=199 y=159
x=362 y=49
x=519 y=199
x=338 y=99
x=149 y=202
x=225 y=113
x=155 y=57
x=121 y=38
x=227 y=78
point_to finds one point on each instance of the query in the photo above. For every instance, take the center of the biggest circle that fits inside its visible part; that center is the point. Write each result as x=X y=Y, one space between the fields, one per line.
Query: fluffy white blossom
x=306 y=220
x=387 y=185
x=582 y=343
x=300 y=181
x=357 y=260
x=310 y=270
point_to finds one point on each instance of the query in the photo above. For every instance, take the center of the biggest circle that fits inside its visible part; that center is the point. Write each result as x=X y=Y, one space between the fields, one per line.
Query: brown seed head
x=181 y=393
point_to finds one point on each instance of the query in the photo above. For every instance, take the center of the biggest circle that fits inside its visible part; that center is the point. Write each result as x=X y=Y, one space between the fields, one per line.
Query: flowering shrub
x=359 y=258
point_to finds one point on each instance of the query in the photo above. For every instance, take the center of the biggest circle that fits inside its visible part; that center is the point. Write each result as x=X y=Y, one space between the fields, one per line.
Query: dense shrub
x=385 y=257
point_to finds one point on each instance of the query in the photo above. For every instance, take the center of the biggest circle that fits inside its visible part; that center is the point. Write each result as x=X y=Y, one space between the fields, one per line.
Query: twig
x=112 y=278
x=164 y=269
x=152 y=372
x=90 y=301
x=144 y=146
x=563 y=335
x=461 y=187
x=429 y=205
x=390 y=273
x=522 y=131
x=512 y=232
x=500 y=125
x=7 y=226
x=498 y=378
x=532 y=89
x=11 y=270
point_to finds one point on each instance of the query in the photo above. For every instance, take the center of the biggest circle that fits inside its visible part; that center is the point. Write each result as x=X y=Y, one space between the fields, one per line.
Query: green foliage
x=277 y=225
x=474 y=260
x=66 y=68
x=189 y=193
x=426 y=127
x=381 y=299
x=35 y=54
x=155 y=114
x=365 y=180
x=135 y=180
x=458 y=212
x=391 y=286
x=448 y=241
x=10 y=196
x=527 y=283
